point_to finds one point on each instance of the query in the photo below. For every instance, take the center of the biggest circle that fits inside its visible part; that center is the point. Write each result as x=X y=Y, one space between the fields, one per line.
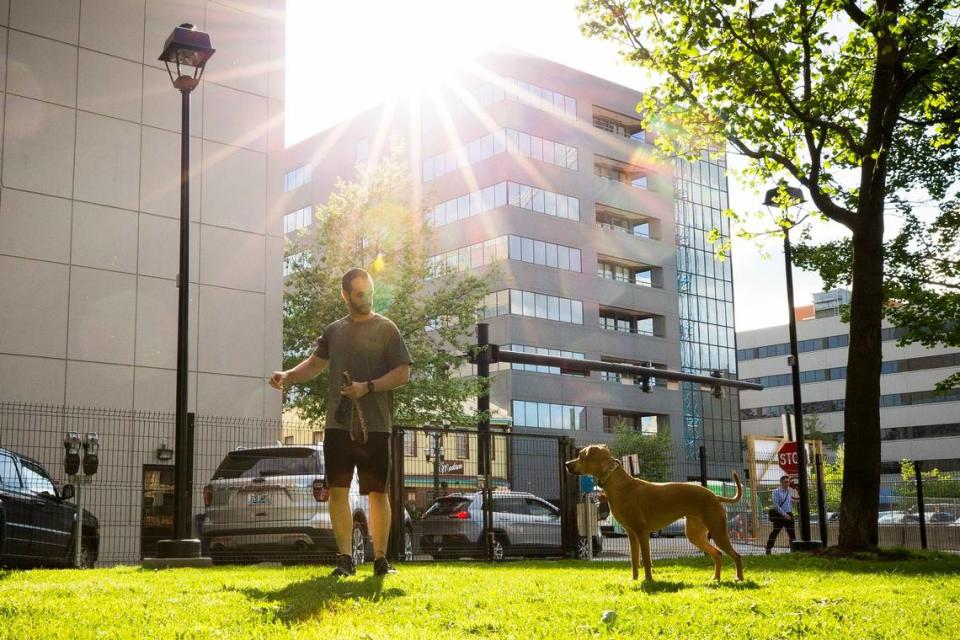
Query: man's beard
x=360 y=310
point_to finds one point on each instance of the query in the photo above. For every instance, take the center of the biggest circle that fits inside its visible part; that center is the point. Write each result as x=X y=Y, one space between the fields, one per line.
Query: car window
x=515 y=506
x=8 y=472
x=538 y=508
x=35 y=478
x=261 y=463
x=447 y=506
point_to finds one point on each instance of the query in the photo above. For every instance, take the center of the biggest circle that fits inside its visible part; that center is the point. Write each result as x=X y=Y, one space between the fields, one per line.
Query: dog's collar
x=606 y=475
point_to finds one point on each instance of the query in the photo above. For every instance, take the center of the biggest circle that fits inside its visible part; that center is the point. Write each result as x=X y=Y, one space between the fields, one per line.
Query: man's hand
x=278 y=380
x=354 y=391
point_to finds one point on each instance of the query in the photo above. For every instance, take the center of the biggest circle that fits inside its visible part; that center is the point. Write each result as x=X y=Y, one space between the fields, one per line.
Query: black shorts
x=372 y=460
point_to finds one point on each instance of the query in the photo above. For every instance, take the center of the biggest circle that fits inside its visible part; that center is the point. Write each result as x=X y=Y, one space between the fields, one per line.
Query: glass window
x=473 y=151
x=529 y=303
x=536 y=148
x=526 y=245
x=486 y=199
x=553 y=308
x=9 y=477
x=486 y=146
x=500 y=193
x=524 y=143
x=573 y=212
x=503 y=302
x=562 y=206
x=513 y=140
x=570 y=106
x=556 y=416
x=575 y=264
x=541 y=305
x=539 y=252
x=576 y=312
x=538 y=200
x=501 y=247
x=463 y=207
x=515 y=248
x=513 y=190
x=550 y=203
x=499 y=142
x=516 y=302
x=551 y=257
x=476 y=203
x=565 y=312
x=543 y=415
x=549 y=151
x=35 y=479
x=451 y=159
x=476 y=255
x=563 y=257
x=526 y=196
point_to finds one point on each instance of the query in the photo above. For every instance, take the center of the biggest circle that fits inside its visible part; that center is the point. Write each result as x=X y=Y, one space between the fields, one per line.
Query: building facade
x=916 y=422
x=89 y=243
x=601 y=247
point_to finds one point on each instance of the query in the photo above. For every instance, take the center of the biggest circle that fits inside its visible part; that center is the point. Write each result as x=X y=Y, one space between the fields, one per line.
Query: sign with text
x=453 y=467
x=788 y=458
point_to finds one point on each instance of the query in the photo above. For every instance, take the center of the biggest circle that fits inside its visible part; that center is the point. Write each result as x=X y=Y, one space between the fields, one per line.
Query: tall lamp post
x=186 y=52
x=784 y=197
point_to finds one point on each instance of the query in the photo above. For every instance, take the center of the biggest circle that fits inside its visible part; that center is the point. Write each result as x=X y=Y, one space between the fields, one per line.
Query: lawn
x=789 y=596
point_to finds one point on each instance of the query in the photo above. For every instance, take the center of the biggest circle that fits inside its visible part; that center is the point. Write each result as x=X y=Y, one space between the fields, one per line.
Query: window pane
x=529 y=304
x=574 y=209
x=539 y=252
x=553 y=308
x=563 y=257
x=543 y=415
x=556 y=416
x=476 y=255
x=550 y=203
x=576 y=312
x=512 y=141
x=516 y=302
x=538 y=200
x=476 y=203
x=575 y=260
x=549 y=151
x=551 y=255
x=524 y=140
x=515 y=248
x=463 y=207
x=526 y=195
x=501 y=248
x=486 y=146
x=561 y=206
x=500 y=192
x=486 y=199
x=526 y=245
x=513 y=190
x=536 y=148
x=541 y=305
x=499 y=142
x=519 y=417
x=564 y=310
x=473 y=151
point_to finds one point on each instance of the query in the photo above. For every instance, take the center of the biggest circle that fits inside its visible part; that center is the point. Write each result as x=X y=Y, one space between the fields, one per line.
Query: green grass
x=790 y=596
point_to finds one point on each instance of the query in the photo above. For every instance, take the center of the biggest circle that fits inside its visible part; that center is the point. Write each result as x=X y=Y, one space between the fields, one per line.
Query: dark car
x=37 y=524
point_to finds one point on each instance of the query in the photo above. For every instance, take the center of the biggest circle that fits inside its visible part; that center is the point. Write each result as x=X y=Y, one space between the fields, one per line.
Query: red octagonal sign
x=788 y=459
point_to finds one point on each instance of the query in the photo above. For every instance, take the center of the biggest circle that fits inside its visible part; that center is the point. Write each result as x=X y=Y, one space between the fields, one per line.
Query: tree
x=654 y=452
x=374 y=223
x=859 y=104
x=936 y=483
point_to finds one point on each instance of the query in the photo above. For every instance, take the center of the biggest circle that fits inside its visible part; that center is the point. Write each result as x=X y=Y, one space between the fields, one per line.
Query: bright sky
x=343 y=58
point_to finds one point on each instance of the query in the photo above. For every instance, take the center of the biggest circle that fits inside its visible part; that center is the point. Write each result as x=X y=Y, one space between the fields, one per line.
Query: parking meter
x=71 y=457
x=91 y=453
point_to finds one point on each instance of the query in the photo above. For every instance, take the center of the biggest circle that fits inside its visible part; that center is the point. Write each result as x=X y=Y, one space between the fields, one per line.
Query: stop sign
x=788 y=459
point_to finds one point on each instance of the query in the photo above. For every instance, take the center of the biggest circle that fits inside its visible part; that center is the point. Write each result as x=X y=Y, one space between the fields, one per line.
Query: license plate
x=258 y=499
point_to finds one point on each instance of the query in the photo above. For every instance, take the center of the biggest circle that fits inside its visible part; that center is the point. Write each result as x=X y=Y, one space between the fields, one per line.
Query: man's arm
x=396 y=377
x=303 y=372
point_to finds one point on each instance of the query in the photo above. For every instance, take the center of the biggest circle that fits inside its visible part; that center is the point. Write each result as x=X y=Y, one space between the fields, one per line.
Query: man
x=781 y=513
x=369 y=347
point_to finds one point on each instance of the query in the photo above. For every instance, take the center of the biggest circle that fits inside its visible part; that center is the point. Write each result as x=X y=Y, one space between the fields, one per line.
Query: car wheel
x=407 y=545
x=358 y=543
x=86 y=557
x=499 y=549
x=583 y=550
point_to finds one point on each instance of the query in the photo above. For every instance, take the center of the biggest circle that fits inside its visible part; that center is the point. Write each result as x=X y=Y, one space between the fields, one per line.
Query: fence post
x=482 y=356
x=920 y=508
x=395 y=545
x=703 y=466
x=569 y=492
x=821 y=499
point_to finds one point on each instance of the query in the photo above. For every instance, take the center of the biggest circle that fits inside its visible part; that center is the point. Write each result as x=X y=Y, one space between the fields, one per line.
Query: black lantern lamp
x=187 y=47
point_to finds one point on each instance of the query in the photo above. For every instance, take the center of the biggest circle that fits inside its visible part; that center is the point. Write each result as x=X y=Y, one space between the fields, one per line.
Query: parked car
x=523 y=525
x=613 y=529
x=37 y=523
x=898 y=517
x=940 y=517
x=272 y=503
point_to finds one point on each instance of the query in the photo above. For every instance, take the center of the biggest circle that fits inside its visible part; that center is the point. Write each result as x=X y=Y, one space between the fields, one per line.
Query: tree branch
x=855 y=13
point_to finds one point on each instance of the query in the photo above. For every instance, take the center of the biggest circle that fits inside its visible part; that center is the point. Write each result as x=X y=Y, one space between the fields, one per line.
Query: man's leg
x=788 y=525
x=341 y=518
x=777 y=525
x=379 y=523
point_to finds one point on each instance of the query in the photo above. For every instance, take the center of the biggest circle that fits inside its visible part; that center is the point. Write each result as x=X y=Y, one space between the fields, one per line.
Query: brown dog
x=642 y=507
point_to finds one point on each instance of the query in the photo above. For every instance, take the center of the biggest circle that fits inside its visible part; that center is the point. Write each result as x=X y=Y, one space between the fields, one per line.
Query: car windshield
x=447 y=506
x=261 y=463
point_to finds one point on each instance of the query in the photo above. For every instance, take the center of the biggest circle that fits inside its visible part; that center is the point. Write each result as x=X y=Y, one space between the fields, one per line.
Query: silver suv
x=271 y=503
x=523 y=525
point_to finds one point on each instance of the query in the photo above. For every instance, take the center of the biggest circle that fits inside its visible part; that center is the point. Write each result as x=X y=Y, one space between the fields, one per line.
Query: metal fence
x=251 y=503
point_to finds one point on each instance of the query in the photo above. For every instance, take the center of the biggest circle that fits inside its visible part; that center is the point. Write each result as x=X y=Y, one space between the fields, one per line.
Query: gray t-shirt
x=367 y=350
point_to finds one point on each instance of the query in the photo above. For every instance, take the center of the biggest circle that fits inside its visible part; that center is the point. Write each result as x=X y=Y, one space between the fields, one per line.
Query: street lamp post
x=784 y=197
x=186 y=51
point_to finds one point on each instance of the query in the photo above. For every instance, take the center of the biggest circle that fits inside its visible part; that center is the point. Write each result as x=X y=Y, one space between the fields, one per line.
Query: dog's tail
x=736 y=498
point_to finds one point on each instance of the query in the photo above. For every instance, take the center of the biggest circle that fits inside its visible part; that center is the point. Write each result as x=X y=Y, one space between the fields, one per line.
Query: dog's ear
x=604 y=447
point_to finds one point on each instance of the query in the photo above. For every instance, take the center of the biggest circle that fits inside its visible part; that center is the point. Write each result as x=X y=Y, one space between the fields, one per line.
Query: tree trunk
x=861 y=469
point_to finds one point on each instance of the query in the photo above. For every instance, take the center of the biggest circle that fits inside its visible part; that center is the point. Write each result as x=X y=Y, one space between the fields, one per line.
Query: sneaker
x=344 y=567
x=382 y=567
